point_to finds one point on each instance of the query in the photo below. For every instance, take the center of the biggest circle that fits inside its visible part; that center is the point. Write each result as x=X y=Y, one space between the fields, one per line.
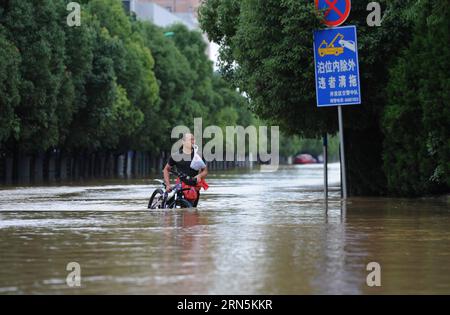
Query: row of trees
x=397 y=141
x=416 y=119
x=111 y=84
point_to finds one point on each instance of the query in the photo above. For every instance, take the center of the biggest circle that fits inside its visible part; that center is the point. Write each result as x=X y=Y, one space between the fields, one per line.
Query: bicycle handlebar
x=178 y=174
x=183 y=177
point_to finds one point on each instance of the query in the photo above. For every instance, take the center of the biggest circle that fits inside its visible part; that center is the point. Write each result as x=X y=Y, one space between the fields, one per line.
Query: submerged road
x=253 y=233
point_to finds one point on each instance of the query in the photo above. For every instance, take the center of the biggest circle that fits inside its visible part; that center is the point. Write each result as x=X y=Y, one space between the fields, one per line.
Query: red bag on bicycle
x=192 y=193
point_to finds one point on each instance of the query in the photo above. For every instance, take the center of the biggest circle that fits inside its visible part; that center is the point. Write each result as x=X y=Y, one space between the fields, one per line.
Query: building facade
x=164 y=13
x=179 y=6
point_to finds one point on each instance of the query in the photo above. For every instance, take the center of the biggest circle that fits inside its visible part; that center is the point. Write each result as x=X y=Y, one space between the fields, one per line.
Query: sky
x=214 y=54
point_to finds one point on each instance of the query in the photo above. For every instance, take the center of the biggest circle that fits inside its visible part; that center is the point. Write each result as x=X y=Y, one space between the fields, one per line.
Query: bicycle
x=161 y=199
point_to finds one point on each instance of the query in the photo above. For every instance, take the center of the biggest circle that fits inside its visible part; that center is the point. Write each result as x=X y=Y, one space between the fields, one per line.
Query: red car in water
x=304 y=159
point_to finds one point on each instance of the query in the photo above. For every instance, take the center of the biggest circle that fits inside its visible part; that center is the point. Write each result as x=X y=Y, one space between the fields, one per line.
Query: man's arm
x=202 y=174
x=166 y=173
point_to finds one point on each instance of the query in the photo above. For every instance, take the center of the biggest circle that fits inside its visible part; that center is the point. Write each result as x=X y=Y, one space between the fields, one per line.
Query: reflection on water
x=254 y=233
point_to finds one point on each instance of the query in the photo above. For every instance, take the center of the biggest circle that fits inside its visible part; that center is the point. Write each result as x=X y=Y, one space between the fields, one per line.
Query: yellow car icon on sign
x=329 y=49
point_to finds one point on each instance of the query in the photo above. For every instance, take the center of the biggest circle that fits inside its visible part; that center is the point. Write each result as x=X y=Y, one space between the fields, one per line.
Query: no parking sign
x=337 y=66
x=337 y=11
x=337 y=69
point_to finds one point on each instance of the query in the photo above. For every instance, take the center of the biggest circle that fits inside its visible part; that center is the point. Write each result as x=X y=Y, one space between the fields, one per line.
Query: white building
x=149 y=11
x=146 y=10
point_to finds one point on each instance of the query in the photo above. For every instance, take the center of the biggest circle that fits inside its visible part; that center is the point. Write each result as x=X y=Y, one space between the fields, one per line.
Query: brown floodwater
x=253 y=233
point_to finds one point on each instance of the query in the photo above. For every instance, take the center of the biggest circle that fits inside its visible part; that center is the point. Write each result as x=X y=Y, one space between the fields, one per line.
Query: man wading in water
x=183 y=163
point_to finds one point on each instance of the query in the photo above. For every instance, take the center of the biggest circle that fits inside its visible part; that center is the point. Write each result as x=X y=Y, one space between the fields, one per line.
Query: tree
x=9 y=89
x=91 y=125
x=173 y=74
x=133 y=67
x=416 y=120
x=110 y=84
x=32 y=26
x=79 y=56
x=193 y=48
x=267 y=53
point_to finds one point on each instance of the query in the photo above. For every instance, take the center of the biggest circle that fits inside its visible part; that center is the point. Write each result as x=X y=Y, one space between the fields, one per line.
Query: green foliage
x=188 y=87
x=101 y=89
x=416 y=120
x=9 y=89
x=123 y=119
x=173 y=74
x=34 y=28
x=193 y=48
x=112 y=83
x=267 y=53
x=134 y=71
x=277 y=75
x=112 y=17
x=79 y=60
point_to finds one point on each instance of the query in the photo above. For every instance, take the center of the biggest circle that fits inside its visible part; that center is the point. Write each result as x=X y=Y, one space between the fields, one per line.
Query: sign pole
x=341 y=142
x=325 y=166
x=337 y=68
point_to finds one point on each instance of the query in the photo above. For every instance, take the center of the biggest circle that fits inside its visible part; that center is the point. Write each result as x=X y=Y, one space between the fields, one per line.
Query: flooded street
x=253 y=233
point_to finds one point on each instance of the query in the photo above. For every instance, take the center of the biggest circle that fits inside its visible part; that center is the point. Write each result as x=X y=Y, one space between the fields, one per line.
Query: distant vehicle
x=304 y=159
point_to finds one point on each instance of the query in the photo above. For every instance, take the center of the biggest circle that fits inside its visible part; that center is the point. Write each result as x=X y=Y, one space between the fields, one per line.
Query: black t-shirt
x=183 y=163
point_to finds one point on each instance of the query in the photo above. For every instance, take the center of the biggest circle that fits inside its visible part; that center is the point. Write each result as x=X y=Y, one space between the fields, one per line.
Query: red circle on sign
x=332 y=6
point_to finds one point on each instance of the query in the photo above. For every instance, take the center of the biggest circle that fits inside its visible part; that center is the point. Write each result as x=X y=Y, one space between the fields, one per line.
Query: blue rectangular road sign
x=337 y=67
